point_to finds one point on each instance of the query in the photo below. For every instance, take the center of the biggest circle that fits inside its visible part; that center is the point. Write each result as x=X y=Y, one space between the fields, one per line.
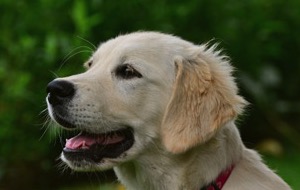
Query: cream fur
x=182 y=111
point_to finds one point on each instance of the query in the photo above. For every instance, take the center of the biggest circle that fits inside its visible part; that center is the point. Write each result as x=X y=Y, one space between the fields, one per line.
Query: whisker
x=75 y=49
x=87 y=42
x=45 y=125
x=82 y=51
x=56 y=133
x=44 y=133
x=61 y=166
x=43 y=111
x=55 y=75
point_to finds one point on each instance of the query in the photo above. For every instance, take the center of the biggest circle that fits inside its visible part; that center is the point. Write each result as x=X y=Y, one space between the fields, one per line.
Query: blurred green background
x=42 y=39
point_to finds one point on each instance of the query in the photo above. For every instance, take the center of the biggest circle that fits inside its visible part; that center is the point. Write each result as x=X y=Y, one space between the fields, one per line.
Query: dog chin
x=87 y=165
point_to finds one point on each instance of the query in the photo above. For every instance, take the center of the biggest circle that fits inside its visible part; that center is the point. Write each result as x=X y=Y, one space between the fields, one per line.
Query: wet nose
x=60 y=91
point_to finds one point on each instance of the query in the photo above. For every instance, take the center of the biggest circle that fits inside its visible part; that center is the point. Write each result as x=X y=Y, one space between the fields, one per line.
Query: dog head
x=141 y=90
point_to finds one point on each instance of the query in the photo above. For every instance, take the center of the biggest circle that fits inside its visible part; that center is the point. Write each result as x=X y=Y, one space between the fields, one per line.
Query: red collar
x=220 y=181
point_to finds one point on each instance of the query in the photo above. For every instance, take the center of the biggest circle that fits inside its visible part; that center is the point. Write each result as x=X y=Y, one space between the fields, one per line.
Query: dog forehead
x=142 y=42
x=144 y=47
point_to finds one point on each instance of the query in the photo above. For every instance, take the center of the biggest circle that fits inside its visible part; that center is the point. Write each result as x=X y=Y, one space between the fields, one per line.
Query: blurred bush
x=43 y=39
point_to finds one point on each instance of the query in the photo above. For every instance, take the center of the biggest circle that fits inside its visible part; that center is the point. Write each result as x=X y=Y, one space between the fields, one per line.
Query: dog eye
x=88 y=64
x=126 y=71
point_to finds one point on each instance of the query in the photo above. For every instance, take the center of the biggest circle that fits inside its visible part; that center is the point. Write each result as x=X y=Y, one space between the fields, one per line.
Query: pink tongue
x=83 y=141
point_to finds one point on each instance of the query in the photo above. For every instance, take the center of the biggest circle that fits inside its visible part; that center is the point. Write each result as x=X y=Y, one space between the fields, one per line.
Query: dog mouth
x=94 y=147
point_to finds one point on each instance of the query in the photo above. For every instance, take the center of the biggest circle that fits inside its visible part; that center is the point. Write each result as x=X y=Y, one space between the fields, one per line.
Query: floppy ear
x=204 y=98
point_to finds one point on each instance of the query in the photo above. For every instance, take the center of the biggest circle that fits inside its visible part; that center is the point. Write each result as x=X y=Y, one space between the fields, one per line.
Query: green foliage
x=44 y=39
x=287 y=167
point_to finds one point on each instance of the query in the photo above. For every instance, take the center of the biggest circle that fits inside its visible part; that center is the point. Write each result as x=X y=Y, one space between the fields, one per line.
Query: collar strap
x=220 y=181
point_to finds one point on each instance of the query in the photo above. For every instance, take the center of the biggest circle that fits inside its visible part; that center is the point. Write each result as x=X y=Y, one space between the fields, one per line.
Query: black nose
x=60 y=91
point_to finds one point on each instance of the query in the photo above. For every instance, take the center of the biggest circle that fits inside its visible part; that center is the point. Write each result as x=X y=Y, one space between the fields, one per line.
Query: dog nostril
x=59 y=91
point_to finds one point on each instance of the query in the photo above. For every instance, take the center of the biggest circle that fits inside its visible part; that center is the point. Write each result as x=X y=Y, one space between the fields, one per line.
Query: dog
x=161 y=112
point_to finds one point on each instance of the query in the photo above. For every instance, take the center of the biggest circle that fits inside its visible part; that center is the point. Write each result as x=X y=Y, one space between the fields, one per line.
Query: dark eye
x=88 y=64
x=126 y=71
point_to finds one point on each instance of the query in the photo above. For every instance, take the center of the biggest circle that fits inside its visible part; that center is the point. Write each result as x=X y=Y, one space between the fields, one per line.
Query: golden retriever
x=160 y=111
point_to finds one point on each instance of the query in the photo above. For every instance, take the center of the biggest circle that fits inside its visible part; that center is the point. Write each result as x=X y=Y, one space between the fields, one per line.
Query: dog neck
x=220 y=181
x=194 y=169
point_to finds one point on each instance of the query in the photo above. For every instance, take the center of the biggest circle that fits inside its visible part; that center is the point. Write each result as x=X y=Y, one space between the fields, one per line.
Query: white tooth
x=84 y=145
